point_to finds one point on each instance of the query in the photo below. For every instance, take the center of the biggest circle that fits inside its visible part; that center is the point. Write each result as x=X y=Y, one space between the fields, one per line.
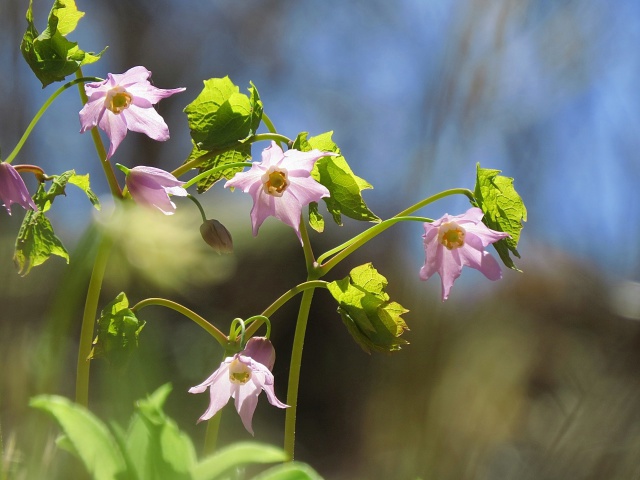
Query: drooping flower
x=242 y=377
x=125 y=102
x=452 y=242
x=281 y=185
x=151 y=187
x=13 y=189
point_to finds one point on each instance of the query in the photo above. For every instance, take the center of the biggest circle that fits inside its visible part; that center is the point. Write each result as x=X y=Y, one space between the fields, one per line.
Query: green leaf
x=335 y=174
x=155 y=445
x=315 y=218
x=289 y=471
x=118 y=332
x=82 y=182
x=50 y=55
x=241 y=153
x=238 y=454
x=503 y=209
x=36 y=240
x=220 y=117
x=86 y=436
x=370 y=317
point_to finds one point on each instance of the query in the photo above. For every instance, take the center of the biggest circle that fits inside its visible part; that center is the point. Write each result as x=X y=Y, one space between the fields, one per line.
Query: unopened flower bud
x=216 y=236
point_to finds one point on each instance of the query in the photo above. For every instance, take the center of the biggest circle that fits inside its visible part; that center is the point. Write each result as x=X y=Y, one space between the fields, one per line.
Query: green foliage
x=118 y=332
x=50 y=55
x=36 y=240
x=503 y=209
x=335 y=174
x=220 y=119
x=371 y=318
x=85 y=436
x=154 y=448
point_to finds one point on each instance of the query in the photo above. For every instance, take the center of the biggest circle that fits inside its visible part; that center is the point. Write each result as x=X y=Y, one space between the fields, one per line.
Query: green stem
x=195 y=200
x=89 y=319
x=422 y=203
x=211 y=435
x=347 y=248
x=110 y=175
x=284 y=298
x=163 y=302
x=267 y=121
x=213 y=170
x=43 y=109
x=294 y=373
x=269 y=136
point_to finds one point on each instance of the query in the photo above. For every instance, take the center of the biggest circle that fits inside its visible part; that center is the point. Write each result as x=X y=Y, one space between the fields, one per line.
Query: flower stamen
x=275 y=182
x=239 y=373
x=117 y=100
x=451 y=235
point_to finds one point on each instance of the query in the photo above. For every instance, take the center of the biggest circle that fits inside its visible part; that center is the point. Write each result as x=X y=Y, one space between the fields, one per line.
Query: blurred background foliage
x=535 y=376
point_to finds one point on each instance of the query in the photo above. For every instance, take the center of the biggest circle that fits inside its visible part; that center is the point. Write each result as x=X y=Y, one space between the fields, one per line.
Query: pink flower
x=456 y=241
x=281 y=185
x=151 y=187
x=125 y=102
x=242 y=377
x=13 y=189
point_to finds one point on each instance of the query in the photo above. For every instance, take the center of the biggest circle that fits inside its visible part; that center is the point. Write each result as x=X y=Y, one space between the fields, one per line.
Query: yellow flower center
x=275 y=182
x=118 y=99
x=451 y=235
x=239 y=373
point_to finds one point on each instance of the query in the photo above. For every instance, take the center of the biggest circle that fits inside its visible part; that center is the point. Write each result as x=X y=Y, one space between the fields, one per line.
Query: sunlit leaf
x=335 y=174
x=503 y=209
x=370 y=317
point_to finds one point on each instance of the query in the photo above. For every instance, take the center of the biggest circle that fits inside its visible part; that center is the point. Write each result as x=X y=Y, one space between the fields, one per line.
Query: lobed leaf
x=371 y=318
x=118 y=332
x=503 y=209
x=50 y=55
x=220 y=117
x=335 y=174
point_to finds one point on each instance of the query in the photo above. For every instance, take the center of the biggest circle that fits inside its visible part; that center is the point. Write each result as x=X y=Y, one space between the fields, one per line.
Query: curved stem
x=269 y=124
x=259 y=137
x=347 y=248
x=209 y=172
x=110 y=175
x=284 y=298
x=163 y=302
x=422 y=203
x=88 y=321
x=294 y=373
x=195 y=200
x=43 y=109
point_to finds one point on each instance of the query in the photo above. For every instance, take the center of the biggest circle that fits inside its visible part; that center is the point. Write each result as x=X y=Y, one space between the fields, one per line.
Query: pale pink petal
x=246 y=400
x=245 y=180
x=219 y=395
x=271 y=155
x=115 y=127
x=147 y=121
x=132 y=76
x=449 y=268
x=306 y=190
x=264 y=206
x=301 y=163
x=90 y=113
x=485 y=234
x=261 y=350
x=474 y=256
x=150 y=93
x=223 y=370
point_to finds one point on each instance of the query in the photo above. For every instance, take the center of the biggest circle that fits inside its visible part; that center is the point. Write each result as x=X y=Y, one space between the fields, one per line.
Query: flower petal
x=246 y=401
x=150 y=93
x=115 y=127
x=147 y=121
